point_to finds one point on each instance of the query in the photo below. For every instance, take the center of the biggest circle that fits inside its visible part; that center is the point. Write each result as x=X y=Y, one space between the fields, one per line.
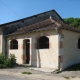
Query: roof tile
x=43 y=25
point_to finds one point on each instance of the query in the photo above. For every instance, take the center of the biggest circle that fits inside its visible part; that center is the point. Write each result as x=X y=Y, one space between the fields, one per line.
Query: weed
x=58 y=71
x=32 y=69
x=66 y=77
x=73 y=76
x=27 y=66
x=26 y=73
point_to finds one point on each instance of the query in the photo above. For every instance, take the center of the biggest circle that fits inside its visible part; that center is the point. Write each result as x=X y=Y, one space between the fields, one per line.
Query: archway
x=27 y=50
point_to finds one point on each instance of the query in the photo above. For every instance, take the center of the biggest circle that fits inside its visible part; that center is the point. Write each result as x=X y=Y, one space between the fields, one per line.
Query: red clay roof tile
x=43 y=25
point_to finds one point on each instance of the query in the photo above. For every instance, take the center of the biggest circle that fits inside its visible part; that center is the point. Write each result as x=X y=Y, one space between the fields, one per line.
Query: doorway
x=27 y=43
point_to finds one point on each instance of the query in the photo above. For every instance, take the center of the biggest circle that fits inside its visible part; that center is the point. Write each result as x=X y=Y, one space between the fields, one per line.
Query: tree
x=74 y=22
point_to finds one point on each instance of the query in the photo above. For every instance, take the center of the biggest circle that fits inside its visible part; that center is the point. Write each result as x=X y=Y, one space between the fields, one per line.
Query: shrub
x=2 y=66
x=12 y=59
x=7 y=62
x=2 y=58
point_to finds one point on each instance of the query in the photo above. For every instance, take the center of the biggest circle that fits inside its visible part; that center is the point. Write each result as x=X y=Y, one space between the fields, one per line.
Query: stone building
x=42 y=40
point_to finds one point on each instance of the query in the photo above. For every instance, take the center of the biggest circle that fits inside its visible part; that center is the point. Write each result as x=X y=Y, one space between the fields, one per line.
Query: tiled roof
x=9 y=28
x=47 y=14
x=71 y=28
x=44 y=25
x=40 y=25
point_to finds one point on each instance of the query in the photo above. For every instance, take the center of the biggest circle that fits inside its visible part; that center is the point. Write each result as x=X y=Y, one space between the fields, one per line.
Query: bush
x=13 y=59
x=2 y=66
x=2 y=58
x=7 y=62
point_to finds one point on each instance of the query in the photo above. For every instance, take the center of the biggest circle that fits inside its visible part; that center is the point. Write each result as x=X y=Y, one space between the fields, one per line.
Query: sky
x=11 y=10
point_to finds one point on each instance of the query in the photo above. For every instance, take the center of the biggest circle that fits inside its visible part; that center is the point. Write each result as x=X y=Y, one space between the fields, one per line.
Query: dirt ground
x=40 y=74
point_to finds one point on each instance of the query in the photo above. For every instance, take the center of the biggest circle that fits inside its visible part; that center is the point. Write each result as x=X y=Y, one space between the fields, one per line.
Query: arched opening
x=43 y=43
x=79 y=43
x=14 y=44
x=27 y=50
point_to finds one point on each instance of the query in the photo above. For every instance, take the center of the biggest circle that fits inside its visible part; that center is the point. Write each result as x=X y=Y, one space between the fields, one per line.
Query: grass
x=26 y=73
x=73 y=76
x=27 y=66
x=66 y=77
x=57 y=71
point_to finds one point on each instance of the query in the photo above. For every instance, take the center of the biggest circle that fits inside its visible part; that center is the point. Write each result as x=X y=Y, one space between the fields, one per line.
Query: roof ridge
x=57 y=23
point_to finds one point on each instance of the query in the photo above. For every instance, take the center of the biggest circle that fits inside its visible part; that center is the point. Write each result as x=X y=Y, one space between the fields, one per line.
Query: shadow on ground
x=75 y=67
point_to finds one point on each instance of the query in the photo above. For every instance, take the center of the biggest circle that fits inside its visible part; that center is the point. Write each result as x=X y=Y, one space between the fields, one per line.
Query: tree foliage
x=74 y=22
